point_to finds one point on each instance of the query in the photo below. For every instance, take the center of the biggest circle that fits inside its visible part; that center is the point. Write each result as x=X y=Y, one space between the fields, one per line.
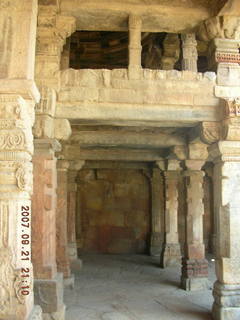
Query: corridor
x=133 y=287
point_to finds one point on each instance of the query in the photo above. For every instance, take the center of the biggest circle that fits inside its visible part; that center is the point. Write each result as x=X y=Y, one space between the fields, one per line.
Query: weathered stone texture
x=115 y=209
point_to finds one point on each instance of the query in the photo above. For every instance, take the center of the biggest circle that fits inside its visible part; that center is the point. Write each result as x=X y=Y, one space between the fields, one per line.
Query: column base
x=69 y=282
x=36 y=314
x=171 y=255
x=72 y=251
x=227 y=302
x=76 y=264
x=194 y=274
x=58 y=315
x=194 y=284
x=48 y=293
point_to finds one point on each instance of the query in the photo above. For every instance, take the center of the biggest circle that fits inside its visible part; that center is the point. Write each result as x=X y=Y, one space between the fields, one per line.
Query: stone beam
x=72 y=152
x=126 y=139
x=145 y=113
x=116 y=165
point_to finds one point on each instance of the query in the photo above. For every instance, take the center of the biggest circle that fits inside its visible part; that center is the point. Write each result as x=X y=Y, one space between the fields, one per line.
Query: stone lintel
x=225 y=151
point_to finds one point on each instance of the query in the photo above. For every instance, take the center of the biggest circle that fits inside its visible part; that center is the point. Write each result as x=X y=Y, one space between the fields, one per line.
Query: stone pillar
x=48 y=284
x=171 y=51
x=63 y=263
x=190 y=54
x=18 y=95
x=226 y=155
x=194 y=264
x=171 y=253
x=135 y=46
x=65 y=57
x=79 y=223
x=157 y=213
x=75 y=166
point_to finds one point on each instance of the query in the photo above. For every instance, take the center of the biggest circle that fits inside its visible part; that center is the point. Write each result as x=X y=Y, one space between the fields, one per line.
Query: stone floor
x=120 y=287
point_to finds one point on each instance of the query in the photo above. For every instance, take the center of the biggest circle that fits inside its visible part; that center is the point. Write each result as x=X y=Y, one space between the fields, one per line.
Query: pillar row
x=194 y=264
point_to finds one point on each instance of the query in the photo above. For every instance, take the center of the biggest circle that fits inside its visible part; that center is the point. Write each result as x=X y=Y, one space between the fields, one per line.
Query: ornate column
x=157 y=232
x=171 y=51
x=135 y=46
x=48 y=284
x=18 y=95
x=171 y=253
x=74 y=168
x=194 y=264
x=63 y=262
x=226 y=156
x=190 y=54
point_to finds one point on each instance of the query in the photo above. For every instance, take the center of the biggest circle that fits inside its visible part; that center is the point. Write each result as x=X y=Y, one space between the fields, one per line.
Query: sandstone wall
x=115 y=211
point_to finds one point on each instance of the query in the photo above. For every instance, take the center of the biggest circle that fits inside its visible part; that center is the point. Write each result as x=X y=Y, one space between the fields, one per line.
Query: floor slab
x=133 y=287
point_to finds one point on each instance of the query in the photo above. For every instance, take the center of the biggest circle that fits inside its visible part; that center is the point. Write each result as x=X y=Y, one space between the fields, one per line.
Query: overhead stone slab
x=126 y=139
x=169 y=16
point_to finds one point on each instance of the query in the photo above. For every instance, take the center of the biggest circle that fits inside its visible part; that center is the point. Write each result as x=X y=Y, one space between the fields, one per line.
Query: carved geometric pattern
x=228 y=57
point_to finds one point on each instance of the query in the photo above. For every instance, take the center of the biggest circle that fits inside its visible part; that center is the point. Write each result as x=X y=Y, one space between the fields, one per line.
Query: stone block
x=171 y=255
x=49 y=293
x=120 y=96
x=36 y=314
x=78 y=94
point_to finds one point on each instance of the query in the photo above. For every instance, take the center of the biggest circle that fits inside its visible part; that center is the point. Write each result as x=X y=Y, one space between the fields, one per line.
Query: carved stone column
x=18 y=95
x=171 y=253
x=157 y=233
x=63 y=263
x=190 y=54
x=194 y=265
x=75 y=166
x=16 y=148
x=171 y=51
x=135 y=46
x=226 y=156
x=48 y=284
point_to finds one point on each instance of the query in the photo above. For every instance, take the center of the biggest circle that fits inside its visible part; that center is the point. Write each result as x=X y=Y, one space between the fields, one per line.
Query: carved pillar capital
x=210 y=132
x=224 y=27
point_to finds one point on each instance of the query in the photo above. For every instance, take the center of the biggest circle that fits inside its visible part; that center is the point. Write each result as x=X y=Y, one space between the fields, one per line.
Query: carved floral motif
x=12 y=140
x=24 y=177
x=233 y=107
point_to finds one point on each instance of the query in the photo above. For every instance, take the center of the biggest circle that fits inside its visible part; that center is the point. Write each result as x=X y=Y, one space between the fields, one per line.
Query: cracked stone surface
x=133 y=287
